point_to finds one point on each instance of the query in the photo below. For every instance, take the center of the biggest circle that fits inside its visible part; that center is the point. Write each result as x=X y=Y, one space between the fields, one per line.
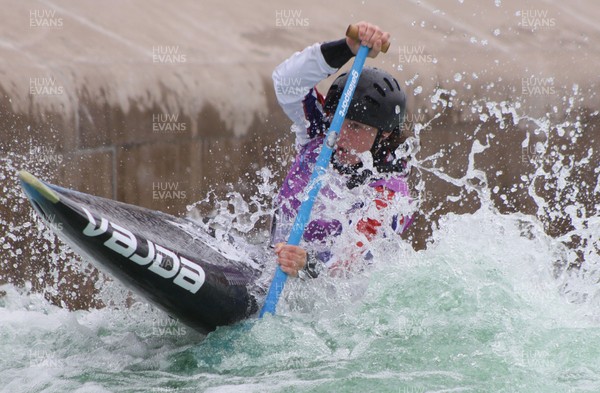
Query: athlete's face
x=355 y=138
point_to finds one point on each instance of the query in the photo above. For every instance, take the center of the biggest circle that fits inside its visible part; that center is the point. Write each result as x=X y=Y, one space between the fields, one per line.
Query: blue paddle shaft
x=314 y=184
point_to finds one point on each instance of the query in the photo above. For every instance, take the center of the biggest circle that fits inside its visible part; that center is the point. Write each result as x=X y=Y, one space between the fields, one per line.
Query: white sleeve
x=294 y=81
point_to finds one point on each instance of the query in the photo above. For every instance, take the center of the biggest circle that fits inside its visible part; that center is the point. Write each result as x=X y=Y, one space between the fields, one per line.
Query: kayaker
x=364 y=159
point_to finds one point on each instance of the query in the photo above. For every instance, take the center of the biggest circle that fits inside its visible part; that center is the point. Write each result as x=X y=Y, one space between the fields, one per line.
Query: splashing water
x=479 y=311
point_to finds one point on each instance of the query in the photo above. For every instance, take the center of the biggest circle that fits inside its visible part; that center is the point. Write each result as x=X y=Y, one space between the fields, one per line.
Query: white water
x=479 y=311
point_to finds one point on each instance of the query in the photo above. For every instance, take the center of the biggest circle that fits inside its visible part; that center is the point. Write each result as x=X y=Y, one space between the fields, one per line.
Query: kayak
x=172 y=262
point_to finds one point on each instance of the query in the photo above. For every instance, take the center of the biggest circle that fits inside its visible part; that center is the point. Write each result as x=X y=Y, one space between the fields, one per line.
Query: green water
x=482 y=310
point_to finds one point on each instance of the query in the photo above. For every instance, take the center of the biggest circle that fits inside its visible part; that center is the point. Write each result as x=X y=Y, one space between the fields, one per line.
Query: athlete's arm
x=295 y=79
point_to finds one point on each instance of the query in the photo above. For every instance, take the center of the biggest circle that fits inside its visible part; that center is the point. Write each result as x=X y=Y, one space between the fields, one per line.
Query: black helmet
x=378 y=100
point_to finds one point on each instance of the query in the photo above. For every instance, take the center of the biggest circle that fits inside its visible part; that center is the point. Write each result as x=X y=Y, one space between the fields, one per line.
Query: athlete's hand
x=291 y=258
x=371 y=36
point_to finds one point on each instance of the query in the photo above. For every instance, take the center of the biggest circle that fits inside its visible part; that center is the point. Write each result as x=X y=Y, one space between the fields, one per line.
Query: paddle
x=322 y=162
